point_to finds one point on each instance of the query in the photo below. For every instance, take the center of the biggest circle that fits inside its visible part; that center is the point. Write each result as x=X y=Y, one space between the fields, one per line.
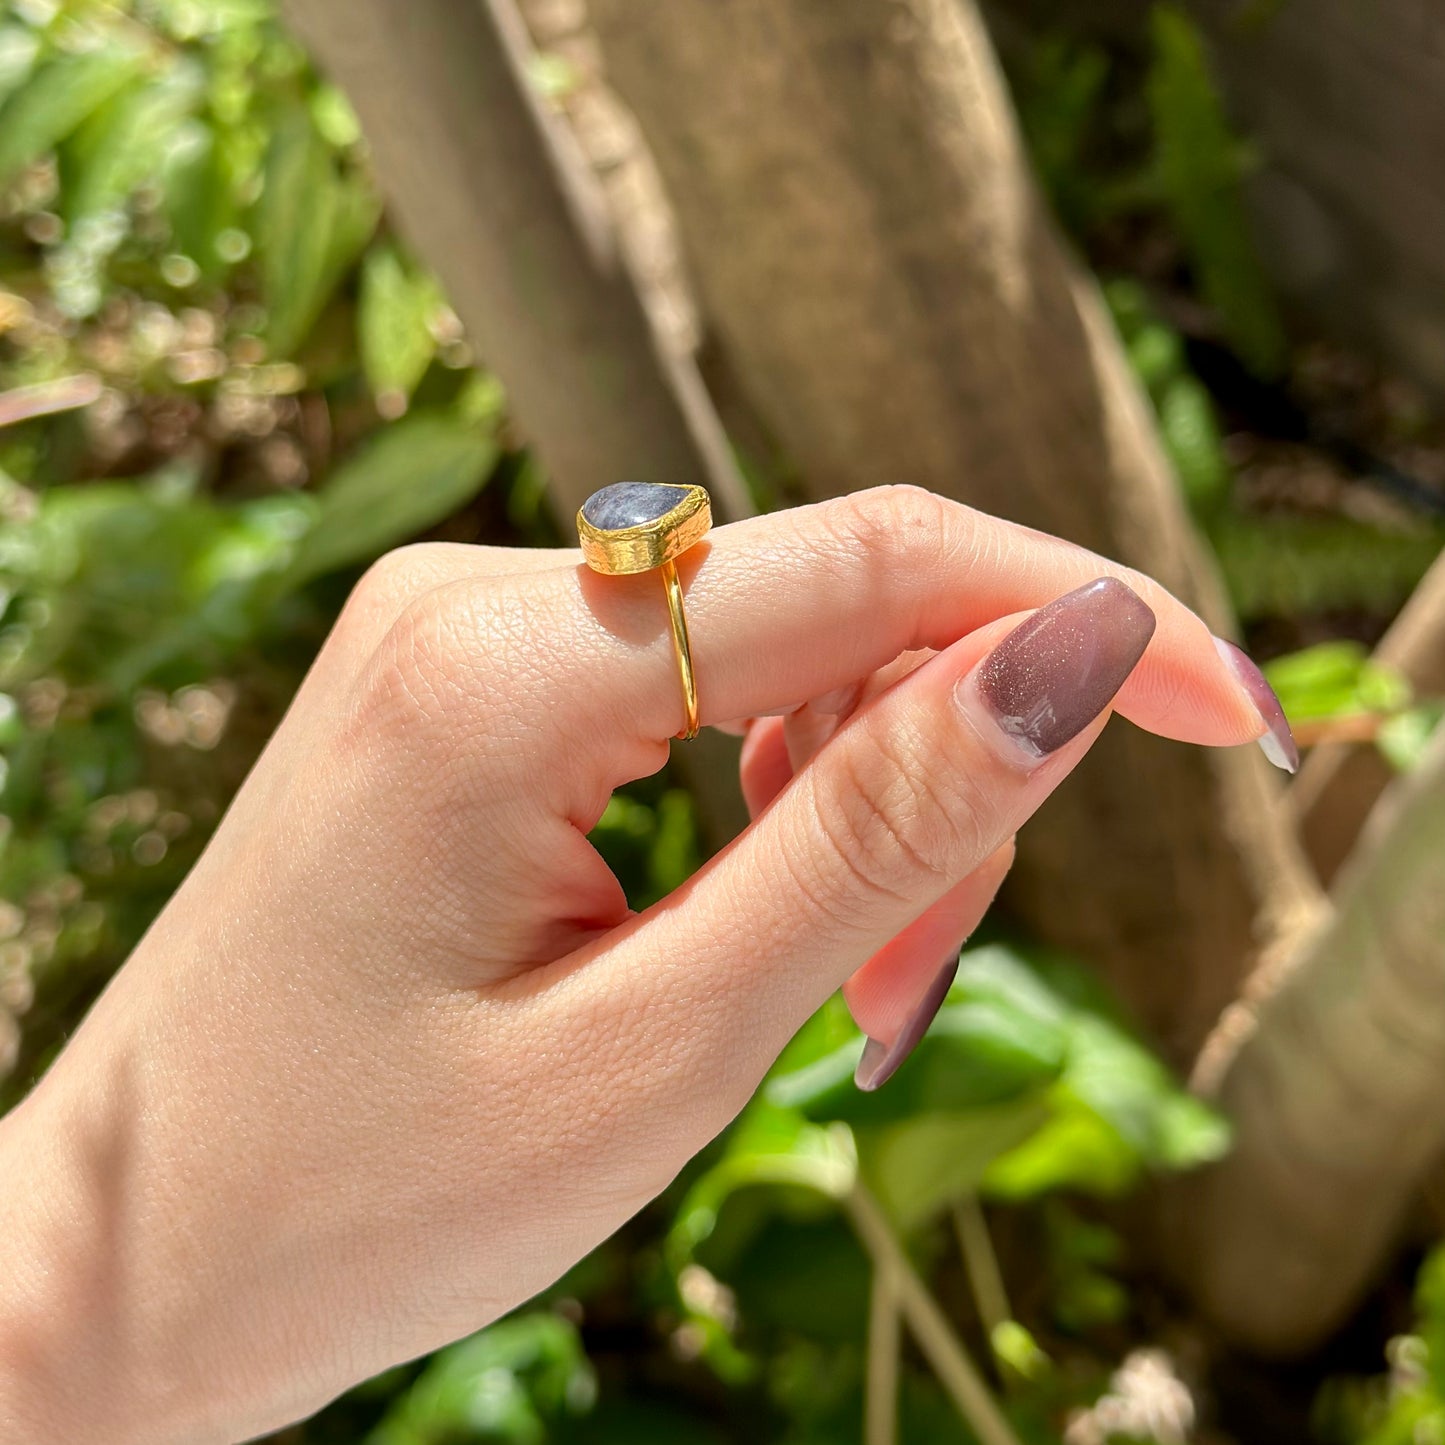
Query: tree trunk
x=495 y=195
x=1334 y=1081
x=879 y=270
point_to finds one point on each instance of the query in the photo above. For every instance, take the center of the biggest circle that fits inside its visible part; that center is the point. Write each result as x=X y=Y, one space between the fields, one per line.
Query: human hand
x=398 y=1053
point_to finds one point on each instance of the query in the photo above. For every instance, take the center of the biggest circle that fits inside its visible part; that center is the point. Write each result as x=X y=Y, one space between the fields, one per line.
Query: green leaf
x=999 y=1035
x=126 y=141
x=196 y=19
x=398 y=304
x=1430 y=1303
x=1200 y=170
x=798 y=1274
x=1124 y=1084
x=978 y=1052
x=1328 y=670
x=200 y=181
x=1026 y=1082
x=1075 y=1149
x=917 y=1166
x=1407 y=1407
x=310 y=223
x=334 y=117
x=1156 y=353
x=1334 y=679
x=414 y=474
x=58 y=96
x=1193 y=441
x=675 y=848
x=1279 y=565
x=506 y=1384
x=1404 y=738
x=1129 y=305
x=137 y=577
x=1115 y=1112
x=767 y=1147
x=1059 y=104
x=353 y=224
x=829 y=1030
x=772 y=1162
x=19 y=49
x=1014 y=1347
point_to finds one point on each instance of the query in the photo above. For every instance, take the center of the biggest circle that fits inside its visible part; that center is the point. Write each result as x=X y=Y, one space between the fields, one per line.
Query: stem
x=980 y=1263
x=936 y=1338
x=885 y=1336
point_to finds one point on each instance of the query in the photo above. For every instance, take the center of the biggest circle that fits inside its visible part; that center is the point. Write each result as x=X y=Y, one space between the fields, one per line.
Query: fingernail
x=1278 y=743
x=1056 y=672
x=880 y=1061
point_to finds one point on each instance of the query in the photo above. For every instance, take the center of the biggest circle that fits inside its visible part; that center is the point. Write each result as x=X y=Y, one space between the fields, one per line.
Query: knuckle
x=454 y=676
x=416 y=670
x=900 y=531
x=386 y=587
x=899 y=831
x=396 y=578
x=896 y=517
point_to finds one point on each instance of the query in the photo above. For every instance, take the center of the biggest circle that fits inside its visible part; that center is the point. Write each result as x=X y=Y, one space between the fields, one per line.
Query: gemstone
x=631 y=504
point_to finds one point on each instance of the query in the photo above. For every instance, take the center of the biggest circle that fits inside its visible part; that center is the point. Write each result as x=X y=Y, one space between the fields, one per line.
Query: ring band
x=643 y=527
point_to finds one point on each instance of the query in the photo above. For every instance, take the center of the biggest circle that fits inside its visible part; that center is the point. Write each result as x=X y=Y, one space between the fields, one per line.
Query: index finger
x=790 y=605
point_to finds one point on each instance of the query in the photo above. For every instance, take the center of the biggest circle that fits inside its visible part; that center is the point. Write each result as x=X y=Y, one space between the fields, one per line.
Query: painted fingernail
x=880 y=1061
x=1056 y=672
x=1278 y=743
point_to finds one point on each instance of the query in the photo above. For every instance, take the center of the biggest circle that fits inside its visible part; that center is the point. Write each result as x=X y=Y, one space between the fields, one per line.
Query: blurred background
x=279 y=292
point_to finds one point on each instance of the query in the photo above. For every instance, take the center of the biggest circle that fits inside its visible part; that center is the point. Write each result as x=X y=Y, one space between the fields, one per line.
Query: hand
x=398 y=1053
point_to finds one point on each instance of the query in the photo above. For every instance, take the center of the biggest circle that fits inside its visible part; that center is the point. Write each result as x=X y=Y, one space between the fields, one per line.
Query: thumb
x=915 y=793
x=893 y=998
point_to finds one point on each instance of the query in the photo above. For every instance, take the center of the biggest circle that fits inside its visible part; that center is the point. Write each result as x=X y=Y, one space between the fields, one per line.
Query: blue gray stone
x=630 y=504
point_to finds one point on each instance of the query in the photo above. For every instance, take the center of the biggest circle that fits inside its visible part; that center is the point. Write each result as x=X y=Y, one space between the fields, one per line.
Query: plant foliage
x=1199 y=168
x=189 y=244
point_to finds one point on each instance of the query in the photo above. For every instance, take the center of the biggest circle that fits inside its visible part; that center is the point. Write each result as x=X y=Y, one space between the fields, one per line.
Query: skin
x=397 y=1053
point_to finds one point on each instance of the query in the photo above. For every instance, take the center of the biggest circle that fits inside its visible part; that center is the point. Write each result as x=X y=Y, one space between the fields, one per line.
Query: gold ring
x=640 y=526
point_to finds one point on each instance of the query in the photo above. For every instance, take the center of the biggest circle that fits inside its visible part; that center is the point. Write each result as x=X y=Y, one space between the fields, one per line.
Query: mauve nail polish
x=1055 y=673
x=880 y=1061
x=1278 y=743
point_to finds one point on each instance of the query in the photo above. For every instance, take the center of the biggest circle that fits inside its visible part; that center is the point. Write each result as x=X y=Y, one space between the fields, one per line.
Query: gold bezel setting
x=647 y=545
